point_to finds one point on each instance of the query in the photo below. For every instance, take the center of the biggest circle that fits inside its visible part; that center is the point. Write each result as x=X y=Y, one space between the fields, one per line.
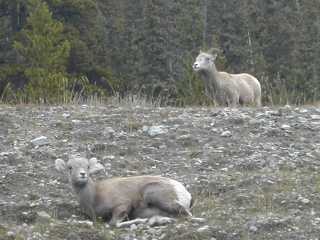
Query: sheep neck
x=212 y=80
x=214 y=75
x=86 y=195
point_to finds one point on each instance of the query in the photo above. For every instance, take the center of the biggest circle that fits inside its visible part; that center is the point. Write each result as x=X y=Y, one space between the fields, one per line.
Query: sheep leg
x=258 y=101
x=89 y=211
x=232 y=98
x=160 y=220
x=148 y=212
x=131 y=222
x=119 y=214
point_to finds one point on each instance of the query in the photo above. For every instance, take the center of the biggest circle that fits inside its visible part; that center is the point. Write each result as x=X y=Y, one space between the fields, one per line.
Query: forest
x=56 y=51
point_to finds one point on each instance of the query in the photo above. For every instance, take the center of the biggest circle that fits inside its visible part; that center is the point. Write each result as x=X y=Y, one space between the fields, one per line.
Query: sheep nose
x=82 y=174
x=195 y=65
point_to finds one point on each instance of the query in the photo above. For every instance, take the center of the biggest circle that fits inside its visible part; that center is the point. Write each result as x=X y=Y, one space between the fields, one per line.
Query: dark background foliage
x=147 y=46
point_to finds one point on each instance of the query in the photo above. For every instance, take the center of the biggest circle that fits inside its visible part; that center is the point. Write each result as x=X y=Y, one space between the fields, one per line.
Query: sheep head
x=78 y=169
x=205 y=60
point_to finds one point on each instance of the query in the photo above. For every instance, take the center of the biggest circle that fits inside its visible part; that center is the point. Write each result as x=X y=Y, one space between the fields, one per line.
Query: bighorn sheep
x=225 y=88
x=120 y=199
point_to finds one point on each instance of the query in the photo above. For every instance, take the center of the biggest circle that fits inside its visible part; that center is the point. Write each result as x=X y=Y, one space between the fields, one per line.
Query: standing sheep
x=120 y=199
x=227 y=89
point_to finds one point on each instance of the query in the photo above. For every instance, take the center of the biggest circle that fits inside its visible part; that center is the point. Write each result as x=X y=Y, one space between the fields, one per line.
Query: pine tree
x=44 y=52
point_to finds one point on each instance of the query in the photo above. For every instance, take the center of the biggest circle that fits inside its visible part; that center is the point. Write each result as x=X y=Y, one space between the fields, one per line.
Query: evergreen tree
x=149 y=45
x=154 y=72
x=45 y=53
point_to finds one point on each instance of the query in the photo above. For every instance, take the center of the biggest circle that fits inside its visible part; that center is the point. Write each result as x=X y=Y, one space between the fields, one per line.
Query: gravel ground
x=254 y=173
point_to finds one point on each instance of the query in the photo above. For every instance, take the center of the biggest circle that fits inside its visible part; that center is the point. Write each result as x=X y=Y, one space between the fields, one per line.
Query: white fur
x=184 y=197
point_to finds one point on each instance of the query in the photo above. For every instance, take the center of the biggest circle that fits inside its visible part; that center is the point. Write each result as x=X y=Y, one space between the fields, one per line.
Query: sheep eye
x=208 y=59
x=70 y=168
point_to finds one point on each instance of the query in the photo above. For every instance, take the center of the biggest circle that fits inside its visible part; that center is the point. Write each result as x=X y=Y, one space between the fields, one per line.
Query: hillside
x=254 y=173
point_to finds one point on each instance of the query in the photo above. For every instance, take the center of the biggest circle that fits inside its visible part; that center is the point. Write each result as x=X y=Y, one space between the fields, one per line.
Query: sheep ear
x=60 y=165
x=214 y=52
x=94 y=166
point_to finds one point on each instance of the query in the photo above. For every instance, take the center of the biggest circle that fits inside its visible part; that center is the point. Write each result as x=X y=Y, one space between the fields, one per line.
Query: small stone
x=110 y=130
x=40 y=141
x=304 y=200
x=156 y=130
x=43 y=215
x=198 y=220
x=133 y=227
x=66 y=115
x=253 y=228
x=75 y=121
x=315 y=117
x=285 y=127
x=203 y=229
x=4 y=154
x=87 y=222
x=226 y=134
x=254 y=122
x=163 y=236
x=184 y=137
x=11 y=234
x=145 y=128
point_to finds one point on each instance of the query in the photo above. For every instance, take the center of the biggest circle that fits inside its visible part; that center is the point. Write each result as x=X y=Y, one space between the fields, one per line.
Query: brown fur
x=119 y=199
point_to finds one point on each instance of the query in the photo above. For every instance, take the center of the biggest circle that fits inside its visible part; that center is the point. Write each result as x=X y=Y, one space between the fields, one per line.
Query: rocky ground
x=254 y=173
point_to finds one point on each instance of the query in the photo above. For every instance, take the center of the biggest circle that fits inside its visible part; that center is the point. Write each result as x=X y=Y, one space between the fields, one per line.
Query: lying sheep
x=127 y=198
x=225 y=88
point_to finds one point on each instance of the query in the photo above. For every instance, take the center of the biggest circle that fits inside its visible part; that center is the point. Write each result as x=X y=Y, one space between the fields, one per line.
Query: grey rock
x=226 y=134
x=303 y=200
x=40 y=141
x=253 y=228
x=11 y=234
x=133 y=227
x=285 y=127
x=204 y=229
x=43 y=215
x=315 y=117
x=155 y=130
x=198 y=220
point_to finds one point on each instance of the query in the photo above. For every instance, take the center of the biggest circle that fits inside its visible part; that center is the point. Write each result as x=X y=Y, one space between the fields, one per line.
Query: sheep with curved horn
x=225 y=88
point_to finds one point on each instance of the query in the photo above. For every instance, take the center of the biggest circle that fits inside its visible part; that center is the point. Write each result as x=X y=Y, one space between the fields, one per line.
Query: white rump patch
x=184 y=197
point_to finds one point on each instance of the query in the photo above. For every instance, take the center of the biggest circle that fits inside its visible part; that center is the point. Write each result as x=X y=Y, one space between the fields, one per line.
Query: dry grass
x=133 y=100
